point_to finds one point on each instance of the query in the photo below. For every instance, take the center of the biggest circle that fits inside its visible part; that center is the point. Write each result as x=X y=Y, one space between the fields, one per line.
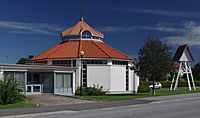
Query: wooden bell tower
x=183 y=56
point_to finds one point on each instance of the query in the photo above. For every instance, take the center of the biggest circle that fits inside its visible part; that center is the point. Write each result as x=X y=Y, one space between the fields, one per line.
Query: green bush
x=143 y=88
x=10 y=91
x=167 y=84
x=90 y=91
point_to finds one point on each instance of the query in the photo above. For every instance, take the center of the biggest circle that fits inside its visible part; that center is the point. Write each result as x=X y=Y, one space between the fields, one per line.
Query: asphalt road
x=73 y=107
x=188 y=107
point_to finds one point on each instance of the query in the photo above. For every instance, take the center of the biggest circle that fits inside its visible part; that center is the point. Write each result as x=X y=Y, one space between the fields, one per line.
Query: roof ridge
x=94 y=30
x=74 y=27
x=101 y=49
x=187 y=47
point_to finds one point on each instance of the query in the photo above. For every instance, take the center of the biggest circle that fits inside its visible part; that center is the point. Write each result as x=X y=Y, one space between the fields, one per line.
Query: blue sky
x=28 y=27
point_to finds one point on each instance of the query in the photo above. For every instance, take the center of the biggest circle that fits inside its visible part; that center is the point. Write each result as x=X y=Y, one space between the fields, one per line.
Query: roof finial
x=81 y=18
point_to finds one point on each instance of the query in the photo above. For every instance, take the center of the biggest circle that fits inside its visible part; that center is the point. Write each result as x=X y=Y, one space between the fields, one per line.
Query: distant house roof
x=79 y=27
x=183 y=54
x=174 y=65
x=72 y=48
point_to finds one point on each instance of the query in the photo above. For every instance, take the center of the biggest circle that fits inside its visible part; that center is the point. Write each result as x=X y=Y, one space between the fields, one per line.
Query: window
x=74 y=63
x=62 y=62
x=36 y=79
x=96 y=37
x=71 y=37
x=119 y=62
x=95 y=62
x=20 y=77
x=127 y=78
x=17 y=76
x=84 y=75
x=40 y=62
x=9 y=75
x=86 y=35
x=63 y=80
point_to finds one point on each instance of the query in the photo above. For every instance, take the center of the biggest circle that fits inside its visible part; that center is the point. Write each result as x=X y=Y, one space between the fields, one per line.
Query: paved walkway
x=55 y=100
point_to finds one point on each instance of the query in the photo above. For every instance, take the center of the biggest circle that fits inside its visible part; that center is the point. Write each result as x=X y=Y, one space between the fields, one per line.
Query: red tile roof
x=72 y=48
x=79 y=27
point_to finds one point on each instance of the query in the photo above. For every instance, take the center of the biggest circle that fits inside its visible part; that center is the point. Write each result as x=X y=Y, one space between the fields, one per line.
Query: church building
x=80 y=59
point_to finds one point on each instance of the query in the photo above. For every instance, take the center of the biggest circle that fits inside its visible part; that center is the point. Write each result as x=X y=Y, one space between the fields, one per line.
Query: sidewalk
x=172 y=97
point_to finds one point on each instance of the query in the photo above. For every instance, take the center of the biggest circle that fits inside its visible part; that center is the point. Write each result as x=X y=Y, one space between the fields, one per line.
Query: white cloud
x=162 y=12
x=113 y=29
x=30 y=28
x=158 y=27
x=191 y=35
x=181 y=33
x=161 y=27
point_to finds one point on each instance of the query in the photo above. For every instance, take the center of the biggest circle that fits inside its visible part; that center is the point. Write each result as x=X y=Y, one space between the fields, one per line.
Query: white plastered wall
x=131 y=79
x=99 y=75
x=111 y=77
x=118 y=78
x=78 y=73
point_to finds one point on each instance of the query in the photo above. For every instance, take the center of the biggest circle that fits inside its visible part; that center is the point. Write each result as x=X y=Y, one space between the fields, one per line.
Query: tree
x=154 y=60
x=196 y=71
x=23 y=60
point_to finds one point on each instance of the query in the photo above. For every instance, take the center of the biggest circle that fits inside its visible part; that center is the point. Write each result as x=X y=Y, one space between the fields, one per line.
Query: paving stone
x=55 y=100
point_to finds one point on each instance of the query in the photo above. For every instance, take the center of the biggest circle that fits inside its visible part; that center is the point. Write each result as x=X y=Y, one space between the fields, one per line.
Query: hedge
x=90 y=91
x=143 y=89
x=167 y=84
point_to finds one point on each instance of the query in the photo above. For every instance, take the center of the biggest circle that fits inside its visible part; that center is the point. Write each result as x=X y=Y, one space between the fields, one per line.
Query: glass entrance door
x=34 y=85
x=33 y=88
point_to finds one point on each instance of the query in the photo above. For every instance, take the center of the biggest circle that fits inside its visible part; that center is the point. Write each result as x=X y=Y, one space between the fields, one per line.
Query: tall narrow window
x=127 y=78
x=84 y=74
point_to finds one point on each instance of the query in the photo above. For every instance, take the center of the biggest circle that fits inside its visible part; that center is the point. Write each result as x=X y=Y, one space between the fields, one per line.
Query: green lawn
x=162 y=92
x=22 y=104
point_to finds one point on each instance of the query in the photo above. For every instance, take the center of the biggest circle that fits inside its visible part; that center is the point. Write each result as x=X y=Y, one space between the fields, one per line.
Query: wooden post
x=186 y=68
x=178 y=74
x=193 y=84
x=171 y=87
